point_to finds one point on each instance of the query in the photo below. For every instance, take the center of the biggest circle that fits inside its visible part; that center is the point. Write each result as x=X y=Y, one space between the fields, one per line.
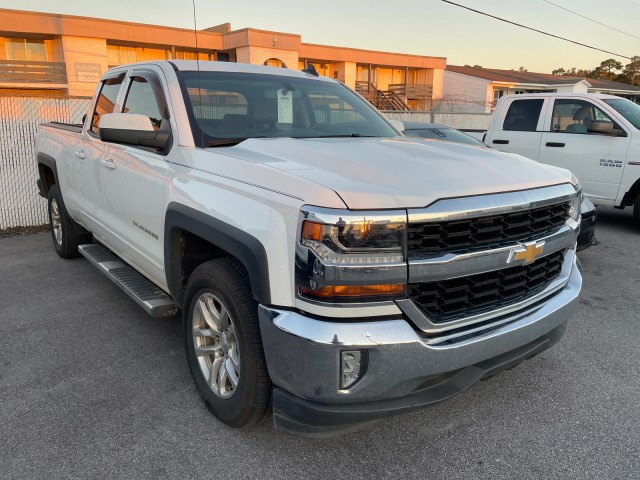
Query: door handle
x=554 y=144
x=501 y=142
x=80 y=154
x=109 y=163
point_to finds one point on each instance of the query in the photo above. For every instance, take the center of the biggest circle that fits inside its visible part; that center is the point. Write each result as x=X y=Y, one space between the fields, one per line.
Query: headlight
x=574 y=212
x=348 y=256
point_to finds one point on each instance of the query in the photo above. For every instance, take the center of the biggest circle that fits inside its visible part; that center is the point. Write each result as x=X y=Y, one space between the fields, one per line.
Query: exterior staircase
x=382 y=100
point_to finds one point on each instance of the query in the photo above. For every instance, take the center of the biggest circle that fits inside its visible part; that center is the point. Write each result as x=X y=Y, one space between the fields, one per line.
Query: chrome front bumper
x=303 y=358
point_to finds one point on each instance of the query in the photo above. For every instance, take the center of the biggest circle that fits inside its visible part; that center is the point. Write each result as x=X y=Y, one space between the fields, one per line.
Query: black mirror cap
x=158 y=140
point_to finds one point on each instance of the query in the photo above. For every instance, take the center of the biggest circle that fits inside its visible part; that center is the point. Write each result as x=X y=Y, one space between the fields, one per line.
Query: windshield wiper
x=345 y=136
x=229 y=142
x=226 y=142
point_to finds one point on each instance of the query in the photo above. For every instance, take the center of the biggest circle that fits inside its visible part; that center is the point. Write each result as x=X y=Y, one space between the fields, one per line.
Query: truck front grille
x=429 y=239
x=448 y=300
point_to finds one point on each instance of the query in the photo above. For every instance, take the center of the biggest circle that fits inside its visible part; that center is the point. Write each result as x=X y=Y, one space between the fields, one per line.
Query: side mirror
x=605 y=128
x=132 y=129
x=399 y=126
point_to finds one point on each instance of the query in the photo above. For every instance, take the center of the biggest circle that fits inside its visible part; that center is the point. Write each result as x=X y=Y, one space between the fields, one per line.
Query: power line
x=538 y=31
x=590 y=19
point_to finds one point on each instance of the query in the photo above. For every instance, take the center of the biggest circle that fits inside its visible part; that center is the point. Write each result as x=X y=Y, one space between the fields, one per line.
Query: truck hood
x=378 y=173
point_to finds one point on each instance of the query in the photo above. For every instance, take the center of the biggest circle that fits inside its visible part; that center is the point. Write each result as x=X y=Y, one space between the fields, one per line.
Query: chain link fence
x=461 y=121
x=20 y=204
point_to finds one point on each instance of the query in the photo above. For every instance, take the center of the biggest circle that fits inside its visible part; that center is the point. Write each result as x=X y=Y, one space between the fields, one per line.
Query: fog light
x=353 y=367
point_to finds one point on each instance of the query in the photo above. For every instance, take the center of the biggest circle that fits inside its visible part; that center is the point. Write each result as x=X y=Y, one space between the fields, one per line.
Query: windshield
x=626 y=108
x=226 y=108
x=442 y=133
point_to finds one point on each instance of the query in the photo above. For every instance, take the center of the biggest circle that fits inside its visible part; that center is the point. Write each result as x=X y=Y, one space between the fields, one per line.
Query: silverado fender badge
x=527 y=251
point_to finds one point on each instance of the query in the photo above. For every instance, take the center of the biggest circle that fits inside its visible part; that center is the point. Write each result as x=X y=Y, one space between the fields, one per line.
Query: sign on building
x=88 y=72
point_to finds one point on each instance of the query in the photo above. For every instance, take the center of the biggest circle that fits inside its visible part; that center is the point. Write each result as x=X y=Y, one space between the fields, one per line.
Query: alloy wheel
x=56 y=222
x=216 y=345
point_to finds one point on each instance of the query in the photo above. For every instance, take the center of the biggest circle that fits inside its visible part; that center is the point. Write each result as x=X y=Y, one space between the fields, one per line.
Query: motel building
x=52 y=55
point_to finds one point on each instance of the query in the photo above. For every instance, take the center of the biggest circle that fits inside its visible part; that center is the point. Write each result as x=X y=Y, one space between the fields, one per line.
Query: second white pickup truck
x=597 y=137
x=324 y=264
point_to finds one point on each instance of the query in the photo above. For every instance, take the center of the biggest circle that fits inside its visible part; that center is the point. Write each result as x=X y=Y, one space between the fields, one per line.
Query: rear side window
x=106 y=101
x=145 y=97
x=523 y=115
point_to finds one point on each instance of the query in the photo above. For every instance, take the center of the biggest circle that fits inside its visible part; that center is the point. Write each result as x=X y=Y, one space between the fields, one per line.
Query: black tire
x=65 y=233
x=220 y=283
x=636 y=209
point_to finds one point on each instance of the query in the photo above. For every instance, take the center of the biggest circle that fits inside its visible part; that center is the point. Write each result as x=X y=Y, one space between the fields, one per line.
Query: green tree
x=631 y=71
x=606 y=69
x=558 y=71
x=610 y=65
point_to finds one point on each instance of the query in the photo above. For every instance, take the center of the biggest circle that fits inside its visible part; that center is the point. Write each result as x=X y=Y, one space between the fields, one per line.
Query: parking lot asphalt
x=91 y=387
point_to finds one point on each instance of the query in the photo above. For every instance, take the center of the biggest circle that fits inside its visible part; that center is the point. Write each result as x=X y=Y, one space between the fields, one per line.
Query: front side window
x=224 y=106
x=145 y=97
x=626 y=108
x=106 y=101
x=575 y=116
x=523 y=115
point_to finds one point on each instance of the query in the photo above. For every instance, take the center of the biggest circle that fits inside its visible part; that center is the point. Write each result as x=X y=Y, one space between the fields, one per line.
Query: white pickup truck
x=325 y=265
x=597 y=137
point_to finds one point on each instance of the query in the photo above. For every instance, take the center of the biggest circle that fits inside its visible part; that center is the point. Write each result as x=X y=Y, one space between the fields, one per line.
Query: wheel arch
x=47 y=173
x=630 y=197
x=186 y=227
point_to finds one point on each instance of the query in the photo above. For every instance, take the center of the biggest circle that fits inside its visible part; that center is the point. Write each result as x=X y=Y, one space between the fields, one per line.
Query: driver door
x=596 y=159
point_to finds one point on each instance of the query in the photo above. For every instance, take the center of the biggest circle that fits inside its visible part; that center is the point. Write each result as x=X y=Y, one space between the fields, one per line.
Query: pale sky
x=427 y=27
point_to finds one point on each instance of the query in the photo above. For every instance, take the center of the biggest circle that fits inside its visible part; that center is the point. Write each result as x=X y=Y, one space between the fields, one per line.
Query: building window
x=274 y=62
x=22 y=49
x=122 y=55
x=191 y=55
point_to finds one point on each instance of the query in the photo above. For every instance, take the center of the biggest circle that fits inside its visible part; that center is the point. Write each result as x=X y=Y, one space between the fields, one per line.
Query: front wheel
x=64 y=231
x=223 y=343
x=636 y=209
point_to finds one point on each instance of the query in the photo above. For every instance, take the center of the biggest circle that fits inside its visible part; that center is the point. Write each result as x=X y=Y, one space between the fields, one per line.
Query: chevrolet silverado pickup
x=329 y=270
x=594 y=136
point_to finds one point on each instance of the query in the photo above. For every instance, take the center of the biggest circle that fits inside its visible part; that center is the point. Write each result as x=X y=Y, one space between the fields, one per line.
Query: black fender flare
x=45 y=160
x=247 y=249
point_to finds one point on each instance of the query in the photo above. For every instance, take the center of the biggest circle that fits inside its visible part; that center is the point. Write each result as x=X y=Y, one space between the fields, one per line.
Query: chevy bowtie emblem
x=527 y=252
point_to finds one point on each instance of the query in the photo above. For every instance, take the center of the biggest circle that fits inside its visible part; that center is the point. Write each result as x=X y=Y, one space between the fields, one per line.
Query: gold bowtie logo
x=527 y=252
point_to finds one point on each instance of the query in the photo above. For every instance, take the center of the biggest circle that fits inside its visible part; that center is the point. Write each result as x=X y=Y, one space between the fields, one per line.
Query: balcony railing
x=40 y=73
x=412 y=91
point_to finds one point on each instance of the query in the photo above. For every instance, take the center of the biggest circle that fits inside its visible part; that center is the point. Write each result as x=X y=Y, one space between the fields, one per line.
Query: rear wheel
x=64 y=231
x=223 y=344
